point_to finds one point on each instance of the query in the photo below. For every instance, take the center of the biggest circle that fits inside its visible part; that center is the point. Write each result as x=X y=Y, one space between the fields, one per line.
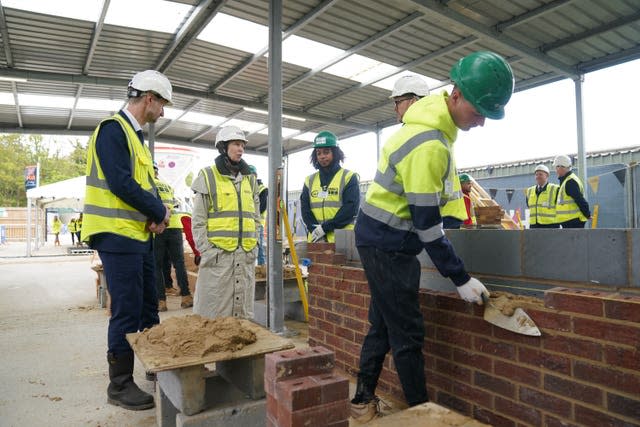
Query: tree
x=18 y=151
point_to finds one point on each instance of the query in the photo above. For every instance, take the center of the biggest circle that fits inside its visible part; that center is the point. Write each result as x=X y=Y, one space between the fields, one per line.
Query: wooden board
x=480 y=197
x=427 y=414
x=267 y=342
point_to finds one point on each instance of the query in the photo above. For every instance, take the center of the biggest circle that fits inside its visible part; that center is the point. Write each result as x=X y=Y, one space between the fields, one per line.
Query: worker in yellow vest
x=225 y=219
x=121 y=211
x=170 y=243
x=541 y=200
x=465 y=185
x=56 y=227
x=263 y=193
x=331 y=196
x=79 y=229
x=72 y=229
x=401 y=217
x=572 y=209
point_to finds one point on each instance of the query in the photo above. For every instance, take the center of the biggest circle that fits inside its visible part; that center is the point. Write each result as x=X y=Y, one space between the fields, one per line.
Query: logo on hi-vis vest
x=323 y=194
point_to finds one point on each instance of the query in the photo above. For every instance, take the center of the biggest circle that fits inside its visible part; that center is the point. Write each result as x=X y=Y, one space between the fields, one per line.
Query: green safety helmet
x=325 y=139
x=463 y=177
x=485 y=80
x=253 y=169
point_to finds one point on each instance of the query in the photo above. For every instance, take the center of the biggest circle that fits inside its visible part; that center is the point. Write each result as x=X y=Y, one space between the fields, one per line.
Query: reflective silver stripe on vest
x=114 y=213
x=386 y=217
x=545 y=215
x=224 y=214
x=213 y=192
x=231 y=234
x=431 y=233
x=328 y=204
x=423 y=199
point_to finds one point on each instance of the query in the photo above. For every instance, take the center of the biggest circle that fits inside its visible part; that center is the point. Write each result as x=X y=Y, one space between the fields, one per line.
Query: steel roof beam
x=199 y=18
x=122 y=83
x=314 y=13
x=14 y=87
x=184 y=113
x=362 y=45
x=404 y=67
x=97 y=29
x=609 y=60
x=5 y=37
x=446 y=13
x=532 y=14
x=219 y=125
x=75 y=104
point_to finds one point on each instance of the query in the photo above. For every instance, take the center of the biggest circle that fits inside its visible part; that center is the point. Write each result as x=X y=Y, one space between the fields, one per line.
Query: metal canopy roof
x=544 y=41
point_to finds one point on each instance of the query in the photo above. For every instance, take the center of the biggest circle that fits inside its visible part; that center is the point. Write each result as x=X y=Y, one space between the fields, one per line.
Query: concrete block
x=165 y=411
x=346 y=244
x=434 y=281
x=247 y=374
x=220 y=392
x=495 y=252
x=556 y=254
x=607 y=261
x=238 y=414
x=185 y=388
x=635 y=256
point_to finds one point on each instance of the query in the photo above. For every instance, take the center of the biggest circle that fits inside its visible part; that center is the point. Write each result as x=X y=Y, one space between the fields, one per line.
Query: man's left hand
x=317 y=233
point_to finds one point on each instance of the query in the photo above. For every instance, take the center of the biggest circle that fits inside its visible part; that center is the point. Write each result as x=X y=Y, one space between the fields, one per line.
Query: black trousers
x=573 y=223
x=170 y=241
x=395 y=320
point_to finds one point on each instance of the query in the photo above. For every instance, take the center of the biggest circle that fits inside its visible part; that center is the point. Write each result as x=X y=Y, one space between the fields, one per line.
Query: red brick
x=575 y=390
x=550 y=320
x=334 y=341
x=345 y=286
x=295 y=363
x=353 y=274
x=576 y=301
x=542 y=359
x=326 y=327
x=354 y=299
x=546 y=402
x=321 y=247
x=612 y=378
x=623 y=307
x=494 y=385
x=344 y=309
x=324 y=304
x=622 y=357
x=451 y=302
x=589 y=417
x=352 y=348
x=316 y=269
x=574 y=346
x=550 y=421
x=453 y=370
x=517 y=373
x=318 y=416
x=333 y=294
x=333 y=387
x=609 y=331
x=440 y=350
x=491 y=418
x=344 y=423
x=325 y=281
x=332 y=271
x=453 y=336
x=317 y=335
x=298 y=393
x=500 y=349
x=356 y=325
x=325 y=258
x=454 y=403
x=512 y=337
x=334 y=318
x=472 y=394
x=472 y=359
x=345 y=333
x=624 y=406
x=518 y=410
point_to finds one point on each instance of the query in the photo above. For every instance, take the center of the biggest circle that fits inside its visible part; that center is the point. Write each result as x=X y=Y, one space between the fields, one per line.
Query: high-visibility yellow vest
x=542 y=207
x=455 y=205
x=166 y=194
x=72 y=226
x=57 y=225
x=103 y=211
x=231 y=219
x=326 y=202
x=566 y=207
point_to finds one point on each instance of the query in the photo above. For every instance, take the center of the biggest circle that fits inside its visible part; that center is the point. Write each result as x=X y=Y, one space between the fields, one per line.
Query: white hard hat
x=410 y=84
x=562 y=160
x=230 y=133
x=542 y=168
x=151 y=81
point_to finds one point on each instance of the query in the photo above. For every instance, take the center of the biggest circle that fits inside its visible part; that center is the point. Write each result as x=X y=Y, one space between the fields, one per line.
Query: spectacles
x=158 y=97
x=399 y=101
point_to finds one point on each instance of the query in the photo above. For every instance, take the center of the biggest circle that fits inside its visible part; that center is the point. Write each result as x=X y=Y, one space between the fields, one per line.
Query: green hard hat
x=463 y=177
x=253 y=169
x=486 y=81
x=325 y=139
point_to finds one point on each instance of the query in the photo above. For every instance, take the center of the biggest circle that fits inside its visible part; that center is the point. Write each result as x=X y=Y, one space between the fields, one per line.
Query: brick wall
x=584 y=370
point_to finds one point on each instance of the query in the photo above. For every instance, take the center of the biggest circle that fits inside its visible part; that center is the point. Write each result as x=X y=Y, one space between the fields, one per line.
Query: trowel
x=519 y=322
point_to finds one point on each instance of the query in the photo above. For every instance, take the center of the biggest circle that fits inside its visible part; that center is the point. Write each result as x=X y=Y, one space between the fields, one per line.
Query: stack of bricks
x=302 y=389
x=584 y=370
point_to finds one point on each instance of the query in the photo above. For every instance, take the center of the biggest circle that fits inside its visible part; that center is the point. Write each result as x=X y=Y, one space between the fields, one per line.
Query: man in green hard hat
x=331 y=196
x=401 y=216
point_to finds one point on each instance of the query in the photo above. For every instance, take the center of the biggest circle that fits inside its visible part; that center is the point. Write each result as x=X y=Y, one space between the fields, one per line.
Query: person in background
x=401 y=217
x=72 y=229
x=79 y=229
x=572 y=209
x=465 y=185
x=56 y=227
x=226 y=215
x=331 y=196
x=185 y=219
x=170 y=242
x=121 y=212
x=541 y=200
x=406 y=91
x=263 y=192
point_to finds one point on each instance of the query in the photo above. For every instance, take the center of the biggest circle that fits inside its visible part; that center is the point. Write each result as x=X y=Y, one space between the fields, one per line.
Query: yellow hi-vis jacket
x=542 y=207
x=455 y=206
x=232 y=214
x=72 y=227
x=566 y=207
x=103 y=211
x=325 y=203
x=416 y=168
x=169 y=200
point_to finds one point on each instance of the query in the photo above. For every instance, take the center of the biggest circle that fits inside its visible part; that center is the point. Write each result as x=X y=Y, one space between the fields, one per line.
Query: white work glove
x=317 y=233
x=472 y=291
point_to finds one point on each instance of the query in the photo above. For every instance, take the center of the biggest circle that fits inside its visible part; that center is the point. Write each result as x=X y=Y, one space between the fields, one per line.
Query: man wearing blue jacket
x=401 y=216
x=121 y=210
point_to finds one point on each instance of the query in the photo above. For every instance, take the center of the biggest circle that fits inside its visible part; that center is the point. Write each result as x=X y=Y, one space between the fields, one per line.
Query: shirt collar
x=134 y=122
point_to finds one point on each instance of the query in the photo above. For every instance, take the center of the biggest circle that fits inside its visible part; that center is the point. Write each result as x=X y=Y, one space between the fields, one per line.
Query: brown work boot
x=162 y=305
x=365 y=412
x=187 y=301
x=172 y=292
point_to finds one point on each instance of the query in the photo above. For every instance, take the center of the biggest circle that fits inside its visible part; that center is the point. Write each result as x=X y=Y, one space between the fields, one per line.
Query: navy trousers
x=395 y=320
x=134 y=300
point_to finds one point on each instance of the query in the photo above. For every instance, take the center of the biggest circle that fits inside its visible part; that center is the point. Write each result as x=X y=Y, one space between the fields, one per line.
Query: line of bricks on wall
x=302 y=389
x=584 y=369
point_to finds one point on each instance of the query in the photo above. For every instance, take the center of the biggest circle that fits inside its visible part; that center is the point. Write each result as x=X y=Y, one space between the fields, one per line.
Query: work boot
x=172 y=292
x=365 y=404
x=162 y=305
x=122 y=391
x=187 y=301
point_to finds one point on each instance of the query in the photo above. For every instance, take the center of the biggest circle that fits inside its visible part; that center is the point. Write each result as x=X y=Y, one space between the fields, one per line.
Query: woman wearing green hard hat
x=331 y=196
